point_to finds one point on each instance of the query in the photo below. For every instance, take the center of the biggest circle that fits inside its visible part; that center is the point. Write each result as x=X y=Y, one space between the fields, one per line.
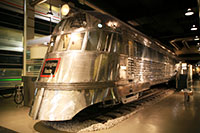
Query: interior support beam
x=29 y=26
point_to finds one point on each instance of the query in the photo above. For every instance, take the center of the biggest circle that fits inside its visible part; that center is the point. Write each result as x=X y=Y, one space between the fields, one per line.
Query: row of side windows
x=99 y=40
x=96 y=40
x=136 y=49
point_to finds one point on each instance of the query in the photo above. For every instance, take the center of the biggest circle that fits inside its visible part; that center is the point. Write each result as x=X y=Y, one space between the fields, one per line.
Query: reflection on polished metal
x=88 y=64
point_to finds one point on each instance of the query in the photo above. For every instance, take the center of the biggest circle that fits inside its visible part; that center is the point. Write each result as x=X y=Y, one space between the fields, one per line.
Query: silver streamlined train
x=95 y=58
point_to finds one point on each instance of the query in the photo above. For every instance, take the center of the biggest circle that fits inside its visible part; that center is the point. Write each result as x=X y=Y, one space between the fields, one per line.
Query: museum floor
x=171 y=115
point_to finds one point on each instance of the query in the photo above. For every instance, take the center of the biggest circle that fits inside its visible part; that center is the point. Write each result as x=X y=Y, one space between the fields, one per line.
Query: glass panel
x=10 y=72
x=102 y=41
x=123 y=46
x=108 y=39
x=76 y=41
x=64 y=41
x=105 y=41
x=120 y=44
x=51 y=44
x=145 y=52
x=93 y=39
x=160 y=57
x=115 y=43
x=33 y=67
x=139 y=50
x=131 y=48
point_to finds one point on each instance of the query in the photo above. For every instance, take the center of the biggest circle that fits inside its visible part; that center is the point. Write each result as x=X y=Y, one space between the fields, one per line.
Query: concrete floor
x=172 y=115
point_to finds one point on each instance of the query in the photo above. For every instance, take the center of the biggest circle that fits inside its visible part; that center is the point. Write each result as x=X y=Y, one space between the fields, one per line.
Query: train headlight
x=65 y=9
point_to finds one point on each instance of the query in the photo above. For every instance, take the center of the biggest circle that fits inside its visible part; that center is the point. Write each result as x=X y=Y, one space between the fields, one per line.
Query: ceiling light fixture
x=50 y=13
x=198 y=45
x=193 y=27
x=196 y=38
x=189 y=12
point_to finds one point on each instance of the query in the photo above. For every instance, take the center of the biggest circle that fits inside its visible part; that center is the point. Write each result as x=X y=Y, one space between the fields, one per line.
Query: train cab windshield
x=70 y=41
x=79 y=33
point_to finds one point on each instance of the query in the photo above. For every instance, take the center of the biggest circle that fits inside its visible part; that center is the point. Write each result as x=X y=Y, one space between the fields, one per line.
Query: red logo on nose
x=50 y=67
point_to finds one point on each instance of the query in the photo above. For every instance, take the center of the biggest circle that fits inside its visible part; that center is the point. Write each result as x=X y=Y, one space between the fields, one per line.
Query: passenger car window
x=139 y=50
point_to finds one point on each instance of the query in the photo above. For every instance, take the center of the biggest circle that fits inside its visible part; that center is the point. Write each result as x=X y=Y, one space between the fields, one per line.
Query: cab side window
x=93 y=40
x=105 y=41
x=76 y=41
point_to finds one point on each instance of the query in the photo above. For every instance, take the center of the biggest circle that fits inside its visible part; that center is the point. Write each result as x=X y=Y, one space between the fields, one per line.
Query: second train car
x=95 y=58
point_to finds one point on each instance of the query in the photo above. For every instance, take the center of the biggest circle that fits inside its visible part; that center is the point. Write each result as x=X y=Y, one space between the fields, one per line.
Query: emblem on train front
x=50 y=67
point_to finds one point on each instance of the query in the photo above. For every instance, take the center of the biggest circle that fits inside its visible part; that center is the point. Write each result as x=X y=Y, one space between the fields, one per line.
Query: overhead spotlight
x=196 y=38
x=189 y=12
x=193 y=27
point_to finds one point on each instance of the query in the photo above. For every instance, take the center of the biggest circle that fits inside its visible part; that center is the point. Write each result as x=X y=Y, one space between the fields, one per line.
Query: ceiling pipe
x=173 y=43
x=183 y=40
x=185 y=44
x=36 y=2
x=85 y=2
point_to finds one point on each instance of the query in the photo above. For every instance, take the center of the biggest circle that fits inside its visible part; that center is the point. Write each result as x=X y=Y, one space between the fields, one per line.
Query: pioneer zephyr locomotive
x=95 y=58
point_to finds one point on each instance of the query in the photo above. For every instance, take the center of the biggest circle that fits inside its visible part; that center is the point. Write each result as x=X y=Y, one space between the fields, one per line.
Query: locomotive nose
x=79 y=67
x=71 y=81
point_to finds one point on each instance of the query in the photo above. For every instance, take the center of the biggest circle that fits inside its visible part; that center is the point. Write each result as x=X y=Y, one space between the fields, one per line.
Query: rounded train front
x=79 y=69
x=95 y=58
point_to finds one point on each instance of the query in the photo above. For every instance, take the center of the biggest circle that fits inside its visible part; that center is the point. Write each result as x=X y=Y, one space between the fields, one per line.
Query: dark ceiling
x=163 y=20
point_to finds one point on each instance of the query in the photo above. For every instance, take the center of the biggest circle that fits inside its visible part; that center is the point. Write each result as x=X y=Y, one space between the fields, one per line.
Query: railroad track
x=97 y=117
